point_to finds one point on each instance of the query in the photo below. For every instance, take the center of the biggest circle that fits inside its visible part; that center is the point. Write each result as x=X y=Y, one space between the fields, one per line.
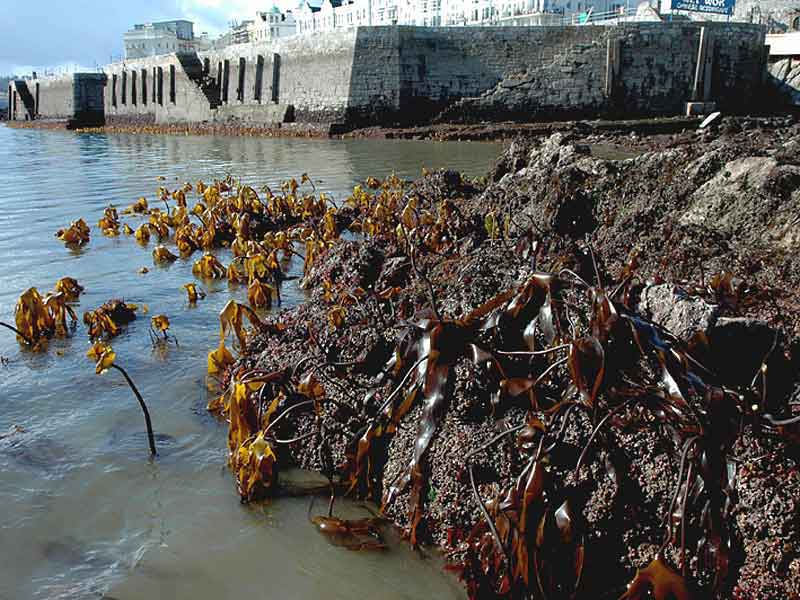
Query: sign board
x=712 y=7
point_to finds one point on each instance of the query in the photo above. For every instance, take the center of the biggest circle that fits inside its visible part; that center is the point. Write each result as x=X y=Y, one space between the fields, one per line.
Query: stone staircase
x=193 y=67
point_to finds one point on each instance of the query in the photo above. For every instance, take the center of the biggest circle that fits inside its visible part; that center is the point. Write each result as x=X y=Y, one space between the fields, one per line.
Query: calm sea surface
x=83 y=512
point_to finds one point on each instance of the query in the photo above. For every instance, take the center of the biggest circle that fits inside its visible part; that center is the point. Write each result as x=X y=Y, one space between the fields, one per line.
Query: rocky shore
x=483 y=131
x=577 y=373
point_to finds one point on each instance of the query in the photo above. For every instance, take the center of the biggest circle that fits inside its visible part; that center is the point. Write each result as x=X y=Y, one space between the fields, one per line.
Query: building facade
x=164 y=37
x=271 y=24
x=330 y=15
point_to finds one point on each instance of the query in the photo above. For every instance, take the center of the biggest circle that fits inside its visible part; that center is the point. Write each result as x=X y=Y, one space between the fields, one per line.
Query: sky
x=56 y=34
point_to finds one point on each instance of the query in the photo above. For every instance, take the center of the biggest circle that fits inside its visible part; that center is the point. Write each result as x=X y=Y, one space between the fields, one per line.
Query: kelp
x=104 y=357
x=109 y=223
x=162 y=255
x=658 y=581
x=139 y=207
x=554 y=347
x=209 y=267
x=70 y=288
x=356 y=535
x=38 y=318
x=194 y=293
x=76 y=234
x=106 y=320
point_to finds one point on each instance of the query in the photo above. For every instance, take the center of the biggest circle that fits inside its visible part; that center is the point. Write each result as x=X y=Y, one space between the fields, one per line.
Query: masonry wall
x=155 y=89
x=312 y=74
x=633 y=68
x=56 y=97
x=659 y=62
x=784 y=75
x=387 y=75
x=76 y=98
x=540 y=69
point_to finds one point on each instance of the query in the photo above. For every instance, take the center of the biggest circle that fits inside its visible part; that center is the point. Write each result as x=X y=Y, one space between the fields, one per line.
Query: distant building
x=164 y=37
x=329 y=15
x=271 y=24
x=238 y=33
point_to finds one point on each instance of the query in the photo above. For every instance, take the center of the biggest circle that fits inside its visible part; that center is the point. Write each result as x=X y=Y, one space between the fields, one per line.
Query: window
x=796 y=23
x=114 y=90
x=144 y=87
x=160 y=86
x=155 y=85
x=124 y=87
x=172 y=84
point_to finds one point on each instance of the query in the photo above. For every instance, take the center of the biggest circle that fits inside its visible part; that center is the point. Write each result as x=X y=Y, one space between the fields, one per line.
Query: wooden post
x=700 y=67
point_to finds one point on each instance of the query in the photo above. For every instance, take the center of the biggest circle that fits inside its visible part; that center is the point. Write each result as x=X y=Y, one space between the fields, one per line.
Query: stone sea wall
x=76 y=98
x=631 y=69
x=412 y=75
x=785 y=76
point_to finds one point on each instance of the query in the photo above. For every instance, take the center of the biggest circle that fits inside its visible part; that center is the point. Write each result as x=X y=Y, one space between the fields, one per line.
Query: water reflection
x=84 y=512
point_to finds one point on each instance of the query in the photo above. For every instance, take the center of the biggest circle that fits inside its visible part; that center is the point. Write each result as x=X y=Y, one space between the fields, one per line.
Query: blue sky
x=54 y=33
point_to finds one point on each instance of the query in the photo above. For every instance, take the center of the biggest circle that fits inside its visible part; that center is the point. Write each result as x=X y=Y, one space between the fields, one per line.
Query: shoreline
x=486 y=131
x=532 y=369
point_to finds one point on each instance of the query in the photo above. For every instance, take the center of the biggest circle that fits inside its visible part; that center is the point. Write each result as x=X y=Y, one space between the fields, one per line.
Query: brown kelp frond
x=547 y=354
x=38 y=318
x=76 y=234
x=104 y=356
x=109 y=223
x=194 y=293
x=106 y=320
x=69 y=287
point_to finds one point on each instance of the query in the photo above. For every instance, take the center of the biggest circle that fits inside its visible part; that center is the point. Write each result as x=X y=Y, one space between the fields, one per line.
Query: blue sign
x=713 y=7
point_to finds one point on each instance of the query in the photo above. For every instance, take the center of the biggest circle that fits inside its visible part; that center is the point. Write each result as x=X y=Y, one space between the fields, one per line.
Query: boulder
x=673 y=308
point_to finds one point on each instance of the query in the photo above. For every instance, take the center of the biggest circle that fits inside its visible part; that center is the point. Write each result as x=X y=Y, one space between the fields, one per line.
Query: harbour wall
x=411 y=75
x=76 y=98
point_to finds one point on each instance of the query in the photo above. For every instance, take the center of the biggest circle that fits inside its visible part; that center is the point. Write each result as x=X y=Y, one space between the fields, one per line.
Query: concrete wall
x=779 y=15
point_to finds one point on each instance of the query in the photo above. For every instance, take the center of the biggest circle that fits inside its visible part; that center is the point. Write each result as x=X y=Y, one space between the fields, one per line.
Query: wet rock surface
x=691 y=239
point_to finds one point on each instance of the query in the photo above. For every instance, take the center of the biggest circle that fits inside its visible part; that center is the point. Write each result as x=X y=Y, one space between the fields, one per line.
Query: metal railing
x=590 y=17
x=594 y=17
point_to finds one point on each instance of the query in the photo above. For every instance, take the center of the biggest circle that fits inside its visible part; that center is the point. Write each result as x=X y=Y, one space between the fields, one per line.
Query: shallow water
x=85 y=514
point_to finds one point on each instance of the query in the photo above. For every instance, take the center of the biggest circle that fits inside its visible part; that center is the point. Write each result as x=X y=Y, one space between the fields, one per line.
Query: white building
x=271 y=24
x=329 y=15
x=164 y=37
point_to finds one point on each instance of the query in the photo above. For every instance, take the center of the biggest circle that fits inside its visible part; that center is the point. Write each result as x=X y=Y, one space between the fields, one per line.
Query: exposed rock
x=688 y=207
x=673 y=308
